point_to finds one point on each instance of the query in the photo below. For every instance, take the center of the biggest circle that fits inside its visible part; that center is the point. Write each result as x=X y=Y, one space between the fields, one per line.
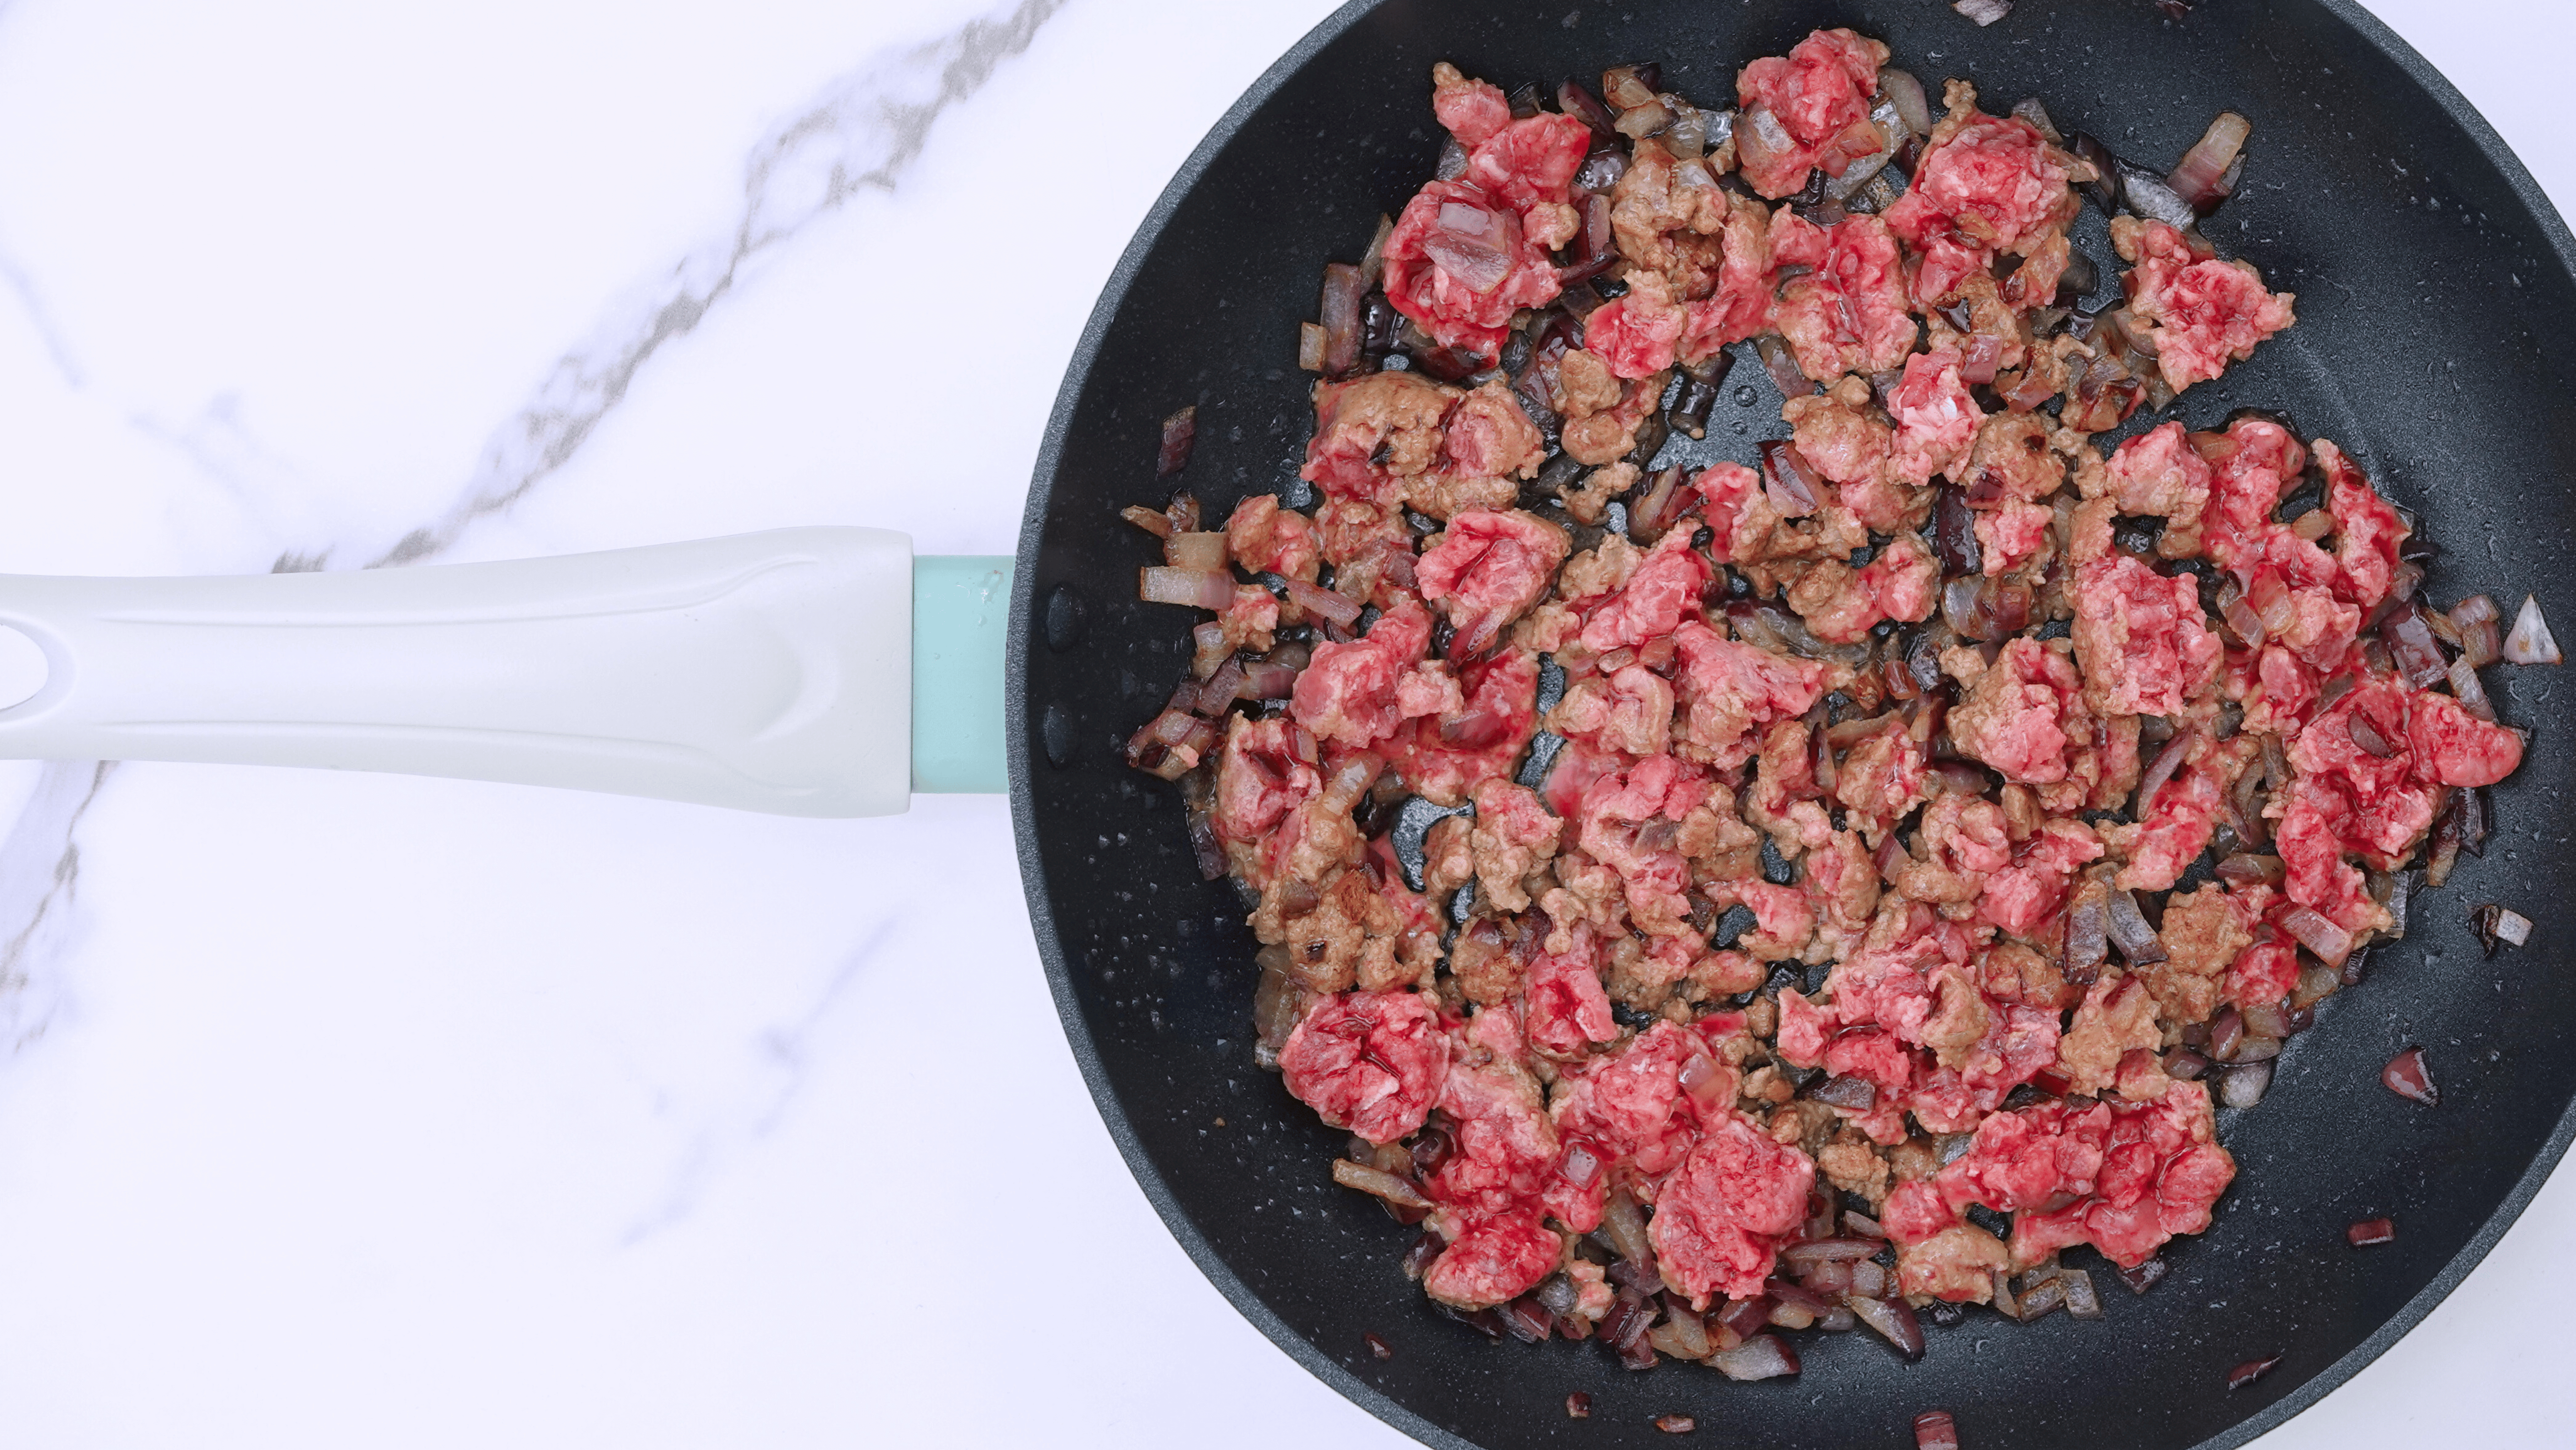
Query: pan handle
x=766 y=672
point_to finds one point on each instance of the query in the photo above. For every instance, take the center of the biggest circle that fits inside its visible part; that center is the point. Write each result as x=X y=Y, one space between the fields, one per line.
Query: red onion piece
x=1580 y=1165
x=1393 y=1187
x=1265 y=680
x=2371 y=1231
x=2161 y=769
x=2512 y=927
x=1935 y=1430
x=1378 y=1347
x=2250 y=1371
x=1676 y=1424
x=1893 y=1319
x=1574 y=100
x=1782 y=366
x=1984 y=12
x=1204 y=552
x=1982 y=359
x=1857 y=1094
x=1787 y=1292
x=1201 y=588
x=2370 y=740
x=2407 y=1077
x=2471 y=692
x=2243 y=1087
x=1902 y=88
x=2530 y=643
x=1818 y=1251
x=1152 y=521
x=2144 y=1277
x=2252 y=870
x=2200 y=177
x=2129 y=931
x=1340 y=314
x=2330 y=942
x=1525 y=1321
x=1323 y=603
x=1743 y=1317
x=1762 y=1357
x=1954 y=535
x=1222 y=688
x=1578 y=1406
x=1180 y=431
x=2411 y=644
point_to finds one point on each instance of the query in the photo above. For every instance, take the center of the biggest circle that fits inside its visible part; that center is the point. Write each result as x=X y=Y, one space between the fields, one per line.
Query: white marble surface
x=346 y=1110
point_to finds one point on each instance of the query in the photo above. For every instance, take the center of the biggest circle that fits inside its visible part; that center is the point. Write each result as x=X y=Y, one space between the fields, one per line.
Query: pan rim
x=1021 y=743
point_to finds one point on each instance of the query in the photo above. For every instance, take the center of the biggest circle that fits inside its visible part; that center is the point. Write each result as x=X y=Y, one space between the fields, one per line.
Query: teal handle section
x=961 y=620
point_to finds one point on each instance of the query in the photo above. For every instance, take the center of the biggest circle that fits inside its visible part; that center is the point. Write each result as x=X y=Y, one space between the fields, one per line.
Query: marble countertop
x=344 y=1109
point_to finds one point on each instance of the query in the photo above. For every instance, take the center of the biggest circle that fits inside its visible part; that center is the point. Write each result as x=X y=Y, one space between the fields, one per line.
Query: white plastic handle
x=767 y=672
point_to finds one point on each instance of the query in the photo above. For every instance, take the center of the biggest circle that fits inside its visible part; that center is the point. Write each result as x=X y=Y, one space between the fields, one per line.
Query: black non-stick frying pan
x=2433 y=280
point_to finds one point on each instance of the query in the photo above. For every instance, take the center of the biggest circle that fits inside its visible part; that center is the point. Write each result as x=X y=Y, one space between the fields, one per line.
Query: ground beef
x=2011 y=463
x=2118 y=1016
x=1492 y=1261
x=2140 y=639
x=1263 y=537
x=1357 y=693
x=2159 y=473
x=1446 y=756
x=1636 y=335
x=2174 y=826
x=2203 y=311
x=1808 y=110
x=2367 y=530
x=2204 y=931
x=1487 y=569
x=1957 y=1264
x=2023 y=715
x=1936 y=420
x=1836 y=432
x=1987 y=185
x=1631 y=712
x=1728 y=689
x=2023 y=896
x=1721 y=1216
x=1371 y=1062
x=1848 y=315
x=1666 y=583
x=1607 y=434
x=2012 y=534
x=1631 y=1100
x=1513 y=837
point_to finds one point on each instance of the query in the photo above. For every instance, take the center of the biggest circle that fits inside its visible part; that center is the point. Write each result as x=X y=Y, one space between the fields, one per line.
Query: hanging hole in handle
x=23 y=669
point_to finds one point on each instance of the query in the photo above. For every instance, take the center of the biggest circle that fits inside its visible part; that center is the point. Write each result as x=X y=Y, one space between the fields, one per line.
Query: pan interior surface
x=2423 y=258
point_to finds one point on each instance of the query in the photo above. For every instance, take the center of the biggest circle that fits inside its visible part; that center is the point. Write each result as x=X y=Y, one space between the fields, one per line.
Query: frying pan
x=2424 y=258
x=2399 y=218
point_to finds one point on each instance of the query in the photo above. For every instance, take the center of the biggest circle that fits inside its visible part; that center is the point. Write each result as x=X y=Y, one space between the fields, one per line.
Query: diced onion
x=2330 y=942
x=1199 y=552
x=1984 y=12
x=1321 y=602
x=2530 y=643
x=1394 y=1188
x=2513 y=927
x=1902 y=88
x=1206 y=589
x=2472 y=694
